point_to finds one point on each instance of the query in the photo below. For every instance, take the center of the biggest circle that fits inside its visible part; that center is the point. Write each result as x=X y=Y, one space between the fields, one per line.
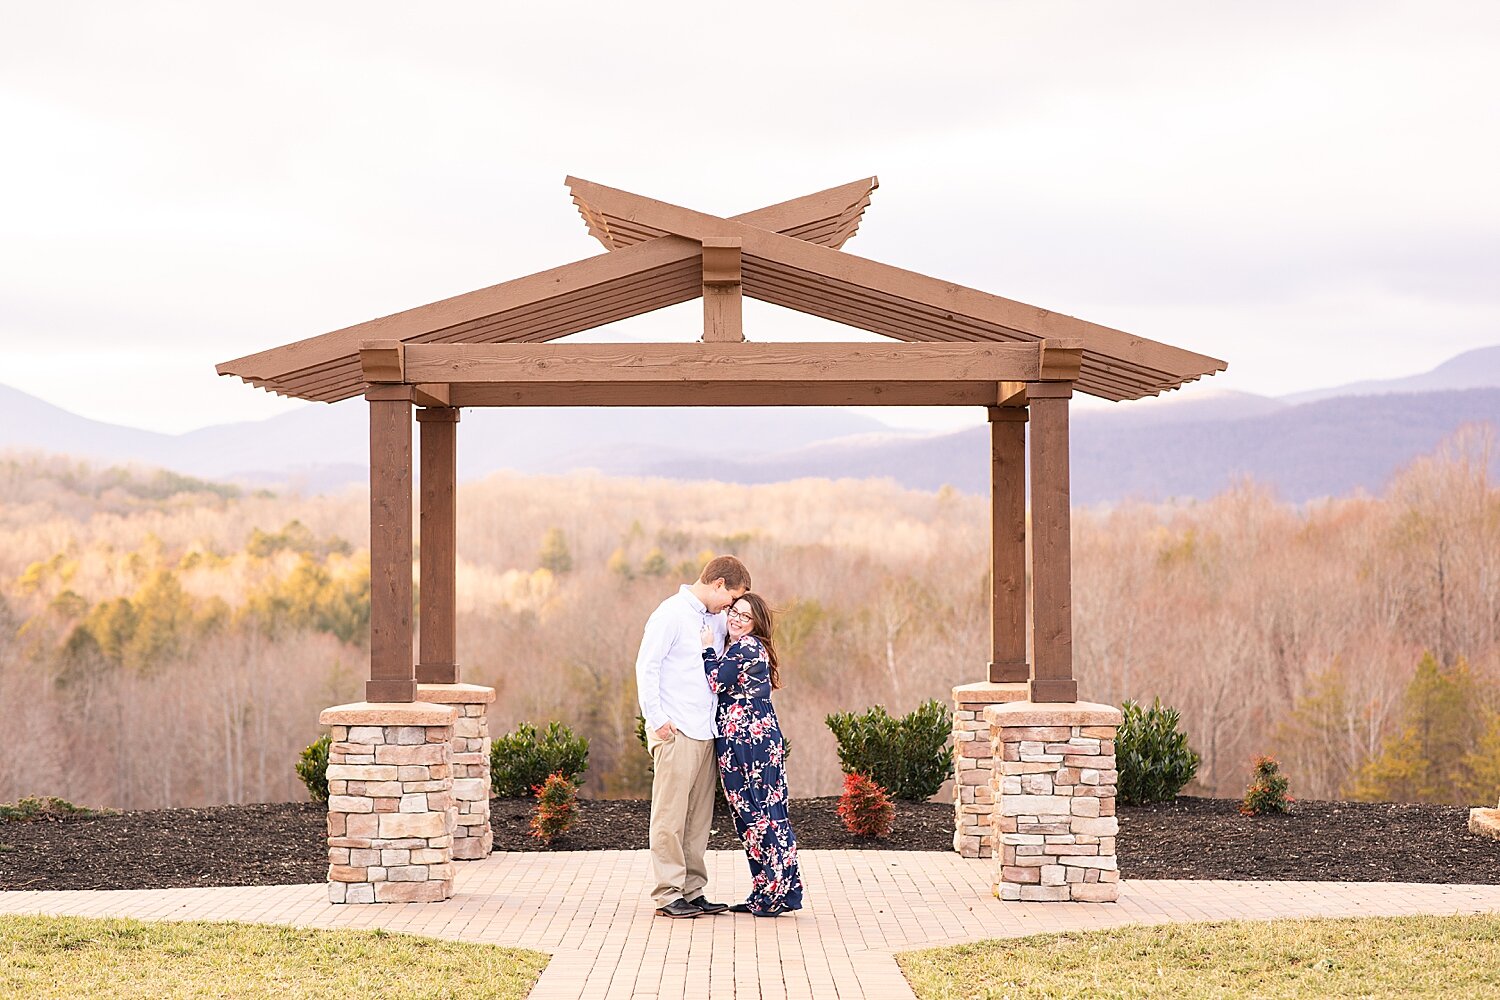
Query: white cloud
x=1303 y=189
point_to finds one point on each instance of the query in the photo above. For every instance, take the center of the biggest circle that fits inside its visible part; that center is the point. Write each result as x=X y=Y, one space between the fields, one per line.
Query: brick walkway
x=589 y=909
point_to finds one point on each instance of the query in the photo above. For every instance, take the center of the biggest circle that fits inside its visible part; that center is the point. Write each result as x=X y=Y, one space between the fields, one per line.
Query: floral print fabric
x=751 y=753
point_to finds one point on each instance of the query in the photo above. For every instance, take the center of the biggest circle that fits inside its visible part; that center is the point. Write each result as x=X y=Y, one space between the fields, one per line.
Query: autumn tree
x=1427 y=760
x=555 y=556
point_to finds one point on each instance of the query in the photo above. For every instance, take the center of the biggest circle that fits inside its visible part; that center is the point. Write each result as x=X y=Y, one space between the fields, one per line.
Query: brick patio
x=590 y=911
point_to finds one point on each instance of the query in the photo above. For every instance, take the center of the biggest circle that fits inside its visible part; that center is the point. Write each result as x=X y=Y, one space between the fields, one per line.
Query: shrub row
x=882 y=756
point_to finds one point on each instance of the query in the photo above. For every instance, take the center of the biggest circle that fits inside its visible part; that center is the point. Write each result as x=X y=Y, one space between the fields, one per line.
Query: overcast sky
x=1307 y=190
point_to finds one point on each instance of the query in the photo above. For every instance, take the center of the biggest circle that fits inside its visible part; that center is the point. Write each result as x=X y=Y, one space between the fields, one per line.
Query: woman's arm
x=724 y=671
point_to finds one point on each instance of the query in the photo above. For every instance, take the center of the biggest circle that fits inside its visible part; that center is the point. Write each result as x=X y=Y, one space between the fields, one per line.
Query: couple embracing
x=704 y=675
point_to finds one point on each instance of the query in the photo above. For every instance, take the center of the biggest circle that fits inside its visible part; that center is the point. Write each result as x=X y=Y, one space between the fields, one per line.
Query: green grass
x=57 y=957
x=1377 y=957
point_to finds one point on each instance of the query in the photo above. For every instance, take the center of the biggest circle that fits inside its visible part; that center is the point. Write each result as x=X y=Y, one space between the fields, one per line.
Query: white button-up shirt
x=669 y=675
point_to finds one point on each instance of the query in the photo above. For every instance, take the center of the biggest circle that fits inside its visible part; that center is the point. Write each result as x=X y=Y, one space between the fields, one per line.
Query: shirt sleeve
x=724 y=671
x=655 y=644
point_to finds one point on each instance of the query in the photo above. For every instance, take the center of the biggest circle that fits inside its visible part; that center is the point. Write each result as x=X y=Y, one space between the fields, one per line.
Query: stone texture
x=974 y=764
x=1054 y=815
x=1026 y=713
x=1485 y=822
x=392 y=828
x=468 y=799
x=366 y=715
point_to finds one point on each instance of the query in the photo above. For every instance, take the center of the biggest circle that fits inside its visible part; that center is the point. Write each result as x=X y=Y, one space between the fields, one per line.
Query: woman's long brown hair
x=762 y=622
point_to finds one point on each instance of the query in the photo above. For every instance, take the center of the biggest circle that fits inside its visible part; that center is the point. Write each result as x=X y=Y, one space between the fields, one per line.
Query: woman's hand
x=705 y=637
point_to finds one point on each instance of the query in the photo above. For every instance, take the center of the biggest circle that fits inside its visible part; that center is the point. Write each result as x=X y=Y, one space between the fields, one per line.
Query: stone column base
x=1485 y=822
x=474 y=838
x=1054 y=790
x=390 y=802
x=973 y=764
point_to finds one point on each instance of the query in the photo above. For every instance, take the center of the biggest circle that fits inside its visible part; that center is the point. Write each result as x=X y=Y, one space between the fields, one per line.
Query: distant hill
x=1477 y=369
x=1189 y=444
x=320 y=447
x=1326 y=448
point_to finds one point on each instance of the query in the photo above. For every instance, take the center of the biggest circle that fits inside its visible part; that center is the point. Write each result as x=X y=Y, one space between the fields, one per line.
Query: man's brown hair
x=729 y=569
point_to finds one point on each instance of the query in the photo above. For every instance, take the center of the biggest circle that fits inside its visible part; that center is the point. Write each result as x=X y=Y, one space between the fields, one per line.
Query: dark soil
x=1332 y=841
x=1190 y=838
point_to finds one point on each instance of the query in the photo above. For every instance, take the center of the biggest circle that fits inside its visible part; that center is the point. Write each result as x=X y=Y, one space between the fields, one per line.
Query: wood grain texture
x=771 y=393
x=381 y=361
x=858 y=272
x=1051 y=554
x=438 y=635
x=722 y=362
x=550 y=288
x=830 y=217
x=788 y=257
x=1008 y=546
x=391 y=675
x=723 y=314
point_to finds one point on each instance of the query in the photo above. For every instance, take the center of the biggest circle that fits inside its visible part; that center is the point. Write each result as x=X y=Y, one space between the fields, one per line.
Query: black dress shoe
x=772 y=911
x=679 y=908
x=704 y=906
x=740 y=908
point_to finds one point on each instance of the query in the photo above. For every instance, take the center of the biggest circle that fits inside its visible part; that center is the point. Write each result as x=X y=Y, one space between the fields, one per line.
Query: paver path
x=589 y=909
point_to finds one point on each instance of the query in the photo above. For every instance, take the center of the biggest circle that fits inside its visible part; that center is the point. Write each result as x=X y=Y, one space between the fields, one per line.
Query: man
x=679 y=709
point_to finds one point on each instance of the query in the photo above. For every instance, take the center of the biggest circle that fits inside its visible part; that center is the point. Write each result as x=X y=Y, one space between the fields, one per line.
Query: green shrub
x=908 y=757
x=312 y=767
x=34 y=807
x=522 y=760
x=1152 y=754
x=1268 y=790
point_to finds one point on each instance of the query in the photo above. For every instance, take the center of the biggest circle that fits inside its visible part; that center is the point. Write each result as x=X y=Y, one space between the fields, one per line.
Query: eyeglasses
x=741 y=615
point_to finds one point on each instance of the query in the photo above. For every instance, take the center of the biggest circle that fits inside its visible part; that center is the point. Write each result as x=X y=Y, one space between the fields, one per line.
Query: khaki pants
x=685 y=772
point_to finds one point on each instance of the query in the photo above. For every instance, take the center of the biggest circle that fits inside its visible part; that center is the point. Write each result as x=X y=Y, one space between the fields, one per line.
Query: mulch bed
x=282 y=843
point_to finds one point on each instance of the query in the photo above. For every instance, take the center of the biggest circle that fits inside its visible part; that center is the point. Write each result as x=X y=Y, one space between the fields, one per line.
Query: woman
x=751 y=754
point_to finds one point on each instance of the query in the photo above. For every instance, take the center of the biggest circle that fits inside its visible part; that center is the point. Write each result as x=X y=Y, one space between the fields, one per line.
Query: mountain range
x=1325 y=442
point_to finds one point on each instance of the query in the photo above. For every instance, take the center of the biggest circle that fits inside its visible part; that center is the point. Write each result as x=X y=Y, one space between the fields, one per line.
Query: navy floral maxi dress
x=751 y=754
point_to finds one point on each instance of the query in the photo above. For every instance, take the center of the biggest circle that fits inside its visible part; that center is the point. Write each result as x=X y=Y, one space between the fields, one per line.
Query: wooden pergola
x=496 y=347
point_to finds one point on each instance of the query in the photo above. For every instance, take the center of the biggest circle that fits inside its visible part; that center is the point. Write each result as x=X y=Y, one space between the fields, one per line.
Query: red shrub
x=1268 y=790
x=865 y=808
x=556 y=807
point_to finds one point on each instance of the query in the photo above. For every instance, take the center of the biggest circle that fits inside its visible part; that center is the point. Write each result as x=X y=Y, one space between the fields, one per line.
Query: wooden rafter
x=787 y=256
x=891 y=300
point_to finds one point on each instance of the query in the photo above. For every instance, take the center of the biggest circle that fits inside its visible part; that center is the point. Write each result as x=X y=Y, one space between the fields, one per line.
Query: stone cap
x=456 y=694
x=1032 y=713
x=388 y=713
x=992 y=692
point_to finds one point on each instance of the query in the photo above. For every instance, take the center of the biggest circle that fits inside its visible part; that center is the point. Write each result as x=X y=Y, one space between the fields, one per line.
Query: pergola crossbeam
x=885 y=364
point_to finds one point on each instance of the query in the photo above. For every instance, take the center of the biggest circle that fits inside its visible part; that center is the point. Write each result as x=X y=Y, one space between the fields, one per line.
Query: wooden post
x=1051 y=546
x=392 y=678
x=723 y=303
x=437 y=663
x=391 y=675
x=1008 y=545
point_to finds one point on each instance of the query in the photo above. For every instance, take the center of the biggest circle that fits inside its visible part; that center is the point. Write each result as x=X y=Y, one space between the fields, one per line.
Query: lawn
x=46 y=957
x=1447 y=957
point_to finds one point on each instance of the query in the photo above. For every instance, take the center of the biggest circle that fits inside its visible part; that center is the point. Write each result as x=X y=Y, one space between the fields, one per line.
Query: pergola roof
x=790 y=255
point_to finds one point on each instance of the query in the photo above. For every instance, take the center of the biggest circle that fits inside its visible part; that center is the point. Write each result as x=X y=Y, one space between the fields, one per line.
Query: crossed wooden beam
x=662 y=254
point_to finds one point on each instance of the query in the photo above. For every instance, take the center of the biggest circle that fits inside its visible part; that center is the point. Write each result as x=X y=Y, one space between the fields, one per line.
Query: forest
x=169 y=641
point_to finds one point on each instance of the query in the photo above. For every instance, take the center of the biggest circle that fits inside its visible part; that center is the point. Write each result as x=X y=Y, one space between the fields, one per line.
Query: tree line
x=169 y=642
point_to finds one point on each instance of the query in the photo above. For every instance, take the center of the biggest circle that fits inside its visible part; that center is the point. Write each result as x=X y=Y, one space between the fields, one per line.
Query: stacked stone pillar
x=973 y=764
x=391 y=815
x=1054 y=790
x=474 y=838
